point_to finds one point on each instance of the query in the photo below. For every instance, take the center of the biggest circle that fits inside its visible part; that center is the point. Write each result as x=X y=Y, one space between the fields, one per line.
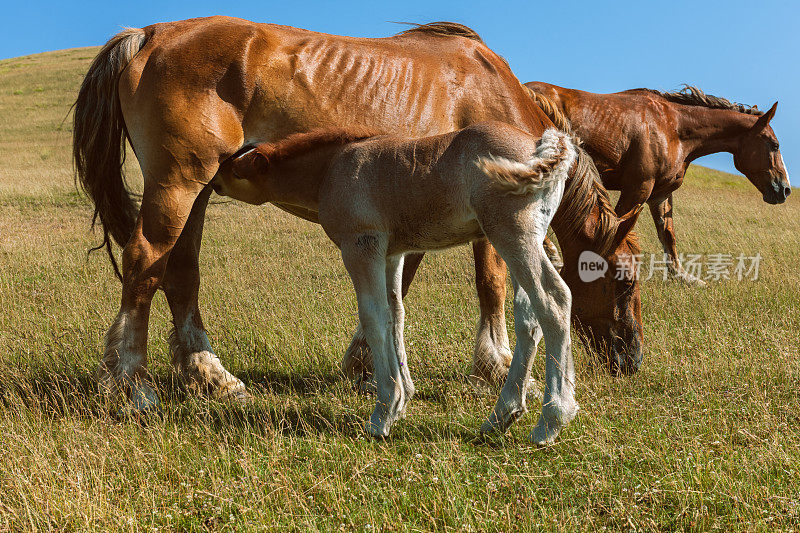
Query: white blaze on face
x=785 y=169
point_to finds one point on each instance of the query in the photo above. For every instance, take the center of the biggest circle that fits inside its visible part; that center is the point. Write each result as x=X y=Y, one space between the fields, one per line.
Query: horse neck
x=703 y=130
x=297 y=181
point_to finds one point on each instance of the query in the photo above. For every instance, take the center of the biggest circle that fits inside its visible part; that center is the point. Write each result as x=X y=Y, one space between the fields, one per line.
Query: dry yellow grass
x=704 y=437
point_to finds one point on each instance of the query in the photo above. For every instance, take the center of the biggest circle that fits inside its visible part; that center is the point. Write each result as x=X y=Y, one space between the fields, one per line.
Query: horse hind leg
x=357 y=362
x=511 y=403
x=552 y=302
x=547 y=305
x=394 y=290
x=123 y=367
x=192 y=356
x=176 y=172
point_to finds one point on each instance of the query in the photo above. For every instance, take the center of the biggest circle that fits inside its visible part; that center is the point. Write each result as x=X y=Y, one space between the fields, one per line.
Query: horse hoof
x=499 y=423
x=237 y=396
x=377 y=428
x=544 y=434
x=548 y=429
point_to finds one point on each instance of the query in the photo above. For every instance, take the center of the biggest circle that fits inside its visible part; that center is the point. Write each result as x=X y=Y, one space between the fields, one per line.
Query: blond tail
x=554 y=155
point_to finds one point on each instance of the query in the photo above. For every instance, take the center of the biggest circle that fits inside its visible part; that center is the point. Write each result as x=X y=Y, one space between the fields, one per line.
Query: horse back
x=277 y=80
x=615 y=128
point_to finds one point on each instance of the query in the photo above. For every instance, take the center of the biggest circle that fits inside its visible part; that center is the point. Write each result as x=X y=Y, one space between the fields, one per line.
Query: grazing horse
x=380 y=198
x=187 y=95
x=644 y=140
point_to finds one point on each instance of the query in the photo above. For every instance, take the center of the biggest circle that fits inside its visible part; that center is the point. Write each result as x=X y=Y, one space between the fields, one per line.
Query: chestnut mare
x=643 y=141
x=189 y=94
x=382 y=197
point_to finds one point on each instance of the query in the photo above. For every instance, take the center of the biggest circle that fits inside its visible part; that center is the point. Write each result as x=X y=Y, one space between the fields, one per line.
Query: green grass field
x=706 y=436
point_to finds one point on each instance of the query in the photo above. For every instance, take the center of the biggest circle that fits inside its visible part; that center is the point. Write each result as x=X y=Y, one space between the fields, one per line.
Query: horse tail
x=554 y=156
x=98 y=142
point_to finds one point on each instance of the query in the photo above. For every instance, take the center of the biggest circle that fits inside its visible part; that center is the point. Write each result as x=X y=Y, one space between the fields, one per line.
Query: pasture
x=705 y=436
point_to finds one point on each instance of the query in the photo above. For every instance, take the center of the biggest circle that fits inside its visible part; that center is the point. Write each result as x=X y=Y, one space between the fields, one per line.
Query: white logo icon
x=591 y=266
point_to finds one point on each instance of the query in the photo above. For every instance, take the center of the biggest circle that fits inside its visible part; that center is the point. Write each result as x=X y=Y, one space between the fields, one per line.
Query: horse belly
x=434 y=234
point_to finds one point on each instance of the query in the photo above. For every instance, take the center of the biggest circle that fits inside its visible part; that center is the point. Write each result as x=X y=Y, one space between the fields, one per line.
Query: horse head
x=606 y=301
x=758 y=157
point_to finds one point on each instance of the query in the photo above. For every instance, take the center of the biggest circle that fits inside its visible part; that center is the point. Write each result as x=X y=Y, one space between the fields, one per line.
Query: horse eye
x=774 y=146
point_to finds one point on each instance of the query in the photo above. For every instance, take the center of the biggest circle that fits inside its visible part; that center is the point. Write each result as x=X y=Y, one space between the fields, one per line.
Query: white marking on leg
x=558 y=405
x=121 y=370
x=196 y=362
x=511 y=403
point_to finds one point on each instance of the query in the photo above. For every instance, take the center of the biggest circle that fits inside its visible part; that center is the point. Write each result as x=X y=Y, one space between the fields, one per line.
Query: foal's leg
x=550 y=301
x=662 y=216
x=364 y=257
x=491 y=356
x=357 y=360
x=511 y=404
x=394 y=284
x=192 y=355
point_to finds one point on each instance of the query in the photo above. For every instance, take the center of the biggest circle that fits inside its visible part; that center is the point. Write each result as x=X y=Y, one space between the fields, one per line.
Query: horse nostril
x=787 y=191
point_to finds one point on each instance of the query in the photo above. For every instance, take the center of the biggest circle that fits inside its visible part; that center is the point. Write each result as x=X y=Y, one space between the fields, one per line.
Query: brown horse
x=382 y=197
x=643 y=141
x=189 y=94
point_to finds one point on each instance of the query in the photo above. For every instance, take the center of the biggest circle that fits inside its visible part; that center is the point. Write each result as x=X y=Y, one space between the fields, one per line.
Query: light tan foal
x=383 y=197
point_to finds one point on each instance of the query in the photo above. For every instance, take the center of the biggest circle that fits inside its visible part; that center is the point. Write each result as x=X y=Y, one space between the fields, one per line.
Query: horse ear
x=250 y=164
x=626 y=224
x=763 y=120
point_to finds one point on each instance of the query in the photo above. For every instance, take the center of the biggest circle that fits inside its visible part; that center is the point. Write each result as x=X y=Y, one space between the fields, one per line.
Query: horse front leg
x=192 y=356
x=357 y=360
x=395 y=275
x=123 y=368
x=491 y=357
x=662 y=217
x=364 y=257
x=552 y=253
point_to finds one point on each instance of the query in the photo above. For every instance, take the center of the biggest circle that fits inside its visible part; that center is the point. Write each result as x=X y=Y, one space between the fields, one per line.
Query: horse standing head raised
x=754 y=146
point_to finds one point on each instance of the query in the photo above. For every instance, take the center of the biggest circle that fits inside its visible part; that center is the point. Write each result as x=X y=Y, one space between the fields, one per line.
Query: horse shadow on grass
x=283 y=402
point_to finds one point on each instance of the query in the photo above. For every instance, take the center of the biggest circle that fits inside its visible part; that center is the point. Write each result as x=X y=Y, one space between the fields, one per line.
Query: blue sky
x=745 y=51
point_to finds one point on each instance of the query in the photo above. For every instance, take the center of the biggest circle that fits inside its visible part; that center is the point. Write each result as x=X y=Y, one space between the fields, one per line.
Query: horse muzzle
x=620 y=352
x=625 y=355
x=776 y=193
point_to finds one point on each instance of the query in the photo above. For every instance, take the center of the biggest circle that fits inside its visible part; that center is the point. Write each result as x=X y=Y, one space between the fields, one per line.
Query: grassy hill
x=706 y=436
